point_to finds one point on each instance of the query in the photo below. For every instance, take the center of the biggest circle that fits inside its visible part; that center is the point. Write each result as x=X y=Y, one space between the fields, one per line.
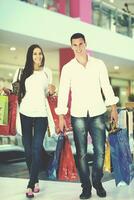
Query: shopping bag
x=13 y=102
x=10 y=128
x=18 y=121
x=51 y=125
x=52 y=169
x=52 y=100
x=107 y=160
x=67 y=169
x=3 y=110
x=121 y=156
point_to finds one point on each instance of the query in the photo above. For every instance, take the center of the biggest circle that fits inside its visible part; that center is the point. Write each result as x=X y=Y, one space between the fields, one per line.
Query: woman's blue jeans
x=33 y=132
x=96 y=128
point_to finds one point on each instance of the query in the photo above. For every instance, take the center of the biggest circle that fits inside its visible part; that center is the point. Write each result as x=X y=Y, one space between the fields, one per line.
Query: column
x=81 y=9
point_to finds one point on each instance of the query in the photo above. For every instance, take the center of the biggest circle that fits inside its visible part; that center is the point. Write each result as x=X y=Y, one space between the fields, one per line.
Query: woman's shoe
x=29 y=193
x=36 y=188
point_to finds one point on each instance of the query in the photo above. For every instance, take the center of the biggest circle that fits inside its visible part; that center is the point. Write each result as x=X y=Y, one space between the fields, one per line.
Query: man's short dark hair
x=76 y=36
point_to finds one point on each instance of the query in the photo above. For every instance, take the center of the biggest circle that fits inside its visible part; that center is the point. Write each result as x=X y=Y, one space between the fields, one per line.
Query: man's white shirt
x=85 y=84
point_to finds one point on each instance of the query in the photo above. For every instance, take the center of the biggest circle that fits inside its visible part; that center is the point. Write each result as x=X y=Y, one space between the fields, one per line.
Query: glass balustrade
x=109 y=17
x=104 y=15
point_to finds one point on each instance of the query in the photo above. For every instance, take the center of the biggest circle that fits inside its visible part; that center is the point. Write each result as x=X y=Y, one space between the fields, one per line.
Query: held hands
x=51 y=89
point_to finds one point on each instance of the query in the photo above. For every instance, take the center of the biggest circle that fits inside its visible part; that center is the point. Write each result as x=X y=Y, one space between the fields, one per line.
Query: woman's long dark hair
x=28 y=69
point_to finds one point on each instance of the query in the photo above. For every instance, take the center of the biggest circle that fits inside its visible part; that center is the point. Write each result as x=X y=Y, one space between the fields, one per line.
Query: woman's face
x=37 y=57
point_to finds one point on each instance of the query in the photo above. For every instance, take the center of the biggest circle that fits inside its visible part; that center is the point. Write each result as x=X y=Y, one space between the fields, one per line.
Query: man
x=85 y=76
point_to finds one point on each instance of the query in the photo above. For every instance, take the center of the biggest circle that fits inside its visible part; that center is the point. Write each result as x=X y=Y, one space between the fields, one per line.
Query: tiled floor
x=14 y=189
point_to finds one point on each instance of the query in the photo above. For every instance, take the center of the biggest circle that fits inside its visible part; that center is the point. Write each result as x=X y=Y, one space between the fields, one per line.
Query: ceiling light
x=111 y=1
x=10 y=74
x=12 y=48
x=116 y=67
x=45 y=5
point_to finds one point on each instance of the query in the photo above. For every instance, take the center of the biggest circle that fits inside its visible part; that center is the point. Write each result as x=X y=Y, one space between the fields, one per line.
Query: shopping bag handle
x=62 y=132
x=113 y=128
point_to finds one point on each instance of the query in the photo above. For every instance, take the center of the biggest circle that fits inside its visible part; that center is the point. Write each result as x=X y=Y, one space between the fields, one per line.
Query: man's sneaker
x=86 y=194
x=99 y=189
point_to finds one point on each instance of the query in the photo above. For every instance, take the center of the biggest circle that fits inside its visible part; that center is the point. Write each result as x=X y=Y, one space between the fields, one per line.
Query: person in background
x=35 y=2
x=129 y=17
x=35 y=85
x=126 y=9
x=86 y=76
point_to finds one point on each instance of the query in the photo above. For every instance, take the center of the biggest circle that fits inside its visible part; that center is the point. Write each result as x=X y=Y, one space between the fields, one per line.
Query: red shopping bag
x=52 y=100
x=10 y=128
x=67 y=169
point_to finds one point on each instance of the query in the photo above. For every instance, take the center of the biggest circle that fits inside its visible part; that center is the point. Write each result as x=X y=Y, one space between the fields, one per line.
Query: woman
x=35 y=85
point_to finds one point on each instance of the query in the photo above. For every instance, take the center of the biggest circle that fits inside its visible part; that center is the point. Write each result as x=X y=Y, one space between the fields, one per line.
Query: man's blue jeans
x=33 y=132
x=96 y=127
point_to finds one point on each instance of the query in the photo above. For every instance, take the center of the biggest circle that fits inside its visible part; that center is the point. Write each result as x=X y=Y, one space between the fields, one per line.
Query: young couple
x=85 y=76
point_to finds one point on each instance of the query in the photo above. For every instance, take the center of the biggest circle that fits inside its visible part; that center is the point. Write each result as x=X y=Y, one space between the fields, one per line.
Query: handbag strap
x=19 y=74
x=46 y=74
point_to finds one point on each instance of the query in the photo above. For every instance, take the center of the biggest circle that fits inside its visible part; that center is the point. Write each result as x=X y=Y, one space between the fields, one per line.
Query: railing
x=104 y=15
x=109 y=17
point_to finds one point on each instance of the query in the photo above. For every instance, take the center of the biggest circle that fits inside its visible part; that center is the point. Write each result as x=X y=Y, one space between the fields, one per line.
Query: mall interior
x=108 y=26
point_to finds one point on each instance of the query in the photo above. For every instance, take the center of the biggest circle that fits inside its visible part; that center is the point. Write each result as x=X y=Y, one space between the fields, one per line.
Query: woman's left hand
x=51 y=89
x=6 y=91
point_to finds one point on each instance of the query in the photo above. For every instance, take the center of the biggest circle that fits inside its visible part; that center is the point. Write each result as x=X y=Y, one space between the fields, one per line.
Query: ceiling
x=21 y=42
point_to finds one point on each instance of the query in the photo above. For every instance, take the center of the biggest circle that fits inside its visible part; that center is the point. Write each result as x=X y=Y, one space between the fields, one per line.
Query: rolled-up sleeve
x=110 y=98
x=63 y=93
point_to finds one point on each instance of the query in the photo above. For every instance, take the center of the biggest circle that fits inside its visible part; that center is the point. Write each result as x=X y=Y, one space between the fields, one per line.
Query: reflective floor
x=14 y=189
x=14 y=179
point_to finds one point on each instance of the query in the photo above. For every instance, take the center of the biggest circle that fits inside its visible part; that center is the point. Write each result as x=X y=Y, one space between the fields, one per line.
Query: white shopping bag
x=51 y=124
x=18 y=122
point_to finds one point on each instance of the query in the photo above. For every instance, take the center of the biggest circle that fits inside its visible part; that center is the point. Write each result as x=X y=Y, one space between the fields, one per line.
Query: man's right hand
x=62 y=123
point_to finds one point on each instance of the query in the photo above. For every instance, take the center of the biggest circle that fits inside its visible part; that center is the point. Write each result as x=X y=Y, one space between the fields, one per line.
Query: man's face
x=78 y=46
